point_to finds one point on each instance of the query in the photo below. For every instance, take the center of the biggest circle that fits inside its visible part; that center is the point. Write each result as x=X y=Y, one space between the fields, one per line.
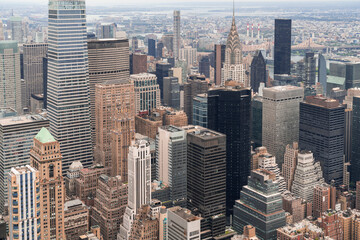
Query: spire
x=233 y=9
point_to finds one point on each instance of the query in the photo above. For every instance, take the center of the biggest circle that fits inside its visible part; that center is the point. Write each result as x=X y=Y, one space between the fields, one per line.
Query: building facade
x=182 y=224
x=355 y=151
x=177 y=30
x=229 y=112
x=147 y=92
x=257 y=71
x=68 y=101
x=76 y=219
x=290 y=162
x=282 y=46
x=280 y=120
x=171 y=92
x=45 y=156
x=200 y=103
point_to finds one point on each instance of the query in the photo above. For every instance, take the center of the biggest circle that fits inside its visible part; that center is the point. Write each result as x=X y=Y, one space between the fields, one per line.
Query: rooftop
x=21 y=119
x=324 y=102
x=72 y=204
x=184 y=214
x=44 y=136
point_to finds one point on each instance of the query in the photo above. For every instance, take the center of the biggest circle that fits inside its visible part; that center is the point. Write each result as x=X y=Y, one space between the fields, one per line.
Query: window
x=51 y=170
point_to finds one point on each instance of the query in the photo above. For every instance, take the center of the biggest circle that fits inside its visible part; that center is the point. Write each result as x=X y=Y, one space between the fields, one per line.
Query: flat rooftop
x=184 y=213
x=21 y=119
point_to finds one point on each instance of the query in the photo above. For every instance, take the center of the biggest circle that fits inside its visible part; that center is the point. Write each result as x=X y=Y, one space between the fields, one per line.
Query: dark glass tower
x=260 y=205
x=321 y=131
x=206 y=179
x=219 y=61
x=355 y=152
x=282 y=46
x=171 y=92
x=322 y=72
x=310 y=69
x=162 y=70
x=258 y=71
x=229 y=112
x=152 y=47
x=204 y=66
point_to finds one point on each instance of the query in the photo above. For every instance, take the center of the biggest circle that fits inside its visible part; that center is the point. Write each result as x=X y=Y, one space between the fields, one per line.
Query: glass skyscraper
x=68 y=81
x=282 y=46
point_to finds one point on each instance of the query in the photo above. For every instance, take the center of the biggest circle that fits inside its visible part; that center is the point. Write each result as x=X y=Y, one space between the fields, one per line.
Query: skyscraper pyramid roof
x=45 y=136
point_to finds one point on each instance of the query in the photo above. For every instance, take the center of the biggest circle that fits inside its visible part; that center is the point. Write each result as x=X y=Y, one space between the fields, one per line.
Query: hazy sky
x=168 y=2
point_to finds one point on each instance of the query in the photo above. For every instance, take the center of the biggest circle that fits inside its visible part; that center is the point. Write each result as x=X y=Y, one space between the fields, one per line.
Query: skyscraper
x=138 y=63
x=322 y=128
x=257 y=71
x=107 y=30
x=200 y=105
x=307 y=175
x=229 y=112
x=352 y=75
x=206 y=181
x=16 y=140
x=280 y=120
x=171 y=92
x=45 y=156
x=16 y=29
x=321 y=199
x=310 y=69
x=182 y=224
x=177 y=38
x=24 y=220
x=147 y=92
x=234 y=68
x=290 y=162
x=355 y=150
x=68 y=101
x=282 y=46
x=162 y=70
x=115 y=125
x=108 y=61
x=194 y=86
x=139 y=185
x=204 y=66
x=10 y=93
x=256 y=118
x=268 y=162
x=219 y=62
x=171 y=150
x=152 y=47
x=34 y=54
x=260 y=196
x=322 y=71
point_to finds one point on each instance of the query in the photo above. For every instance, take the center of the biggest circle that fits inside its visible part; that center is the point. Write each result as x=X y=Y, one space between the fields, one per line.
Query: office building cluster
x=100 y=139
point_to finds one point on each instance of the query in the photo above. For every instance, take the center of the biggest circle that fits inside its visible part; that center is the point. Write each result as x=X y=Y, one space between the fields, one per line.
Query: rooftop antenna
x=233 y=8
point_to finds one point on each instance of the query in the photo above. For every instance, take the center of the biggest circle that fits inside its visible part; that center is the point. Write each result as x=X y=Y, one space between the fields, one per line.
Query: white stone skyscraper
x=233 y=68
x=139 y=185
x=68 y=81
x=308 y=174
x=176 y=43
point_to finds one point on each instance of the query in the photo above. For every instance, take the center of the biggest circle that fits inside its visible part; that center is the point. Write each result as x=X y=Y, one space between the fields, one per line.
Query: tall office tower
x=16 y=139
x=115 y=124
x=134 y=44
x=234 y=68
x=262 y=196
x=24 y=203
x=352 y=79
x=109 y=205
x=200 y=105
x=177 y=38
x=219 y=62
x=257 y=71
x=310 y=69
x=10 y=94
x=322 y=71
x=204 y=66
x=194 y=86
x=45 y=156
x=1 y=31
x=290 y=162
x=280 y=120
x=182 y=224
x=308 y=174
x=147 y=92
x=321 y=199
x=16 y=29
x=168 y=40
x=152 y=47
x=229 y=112
x=171 y=149
x=162 y=70
x=189 y=55
x=159 y=50
x=139 y=185
x=68 y=101
x=145 y=226
x=206 y=181
x=34 y=53
x=108 y=61
x=268 y=162
x=107 y=30
x=355 y=150
x=138 y=63
x=171 y=94
x=358 y=195
x=254 y=162
x=256 y=120
x=282 y=46
x=321 y=131
x=76 y=219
